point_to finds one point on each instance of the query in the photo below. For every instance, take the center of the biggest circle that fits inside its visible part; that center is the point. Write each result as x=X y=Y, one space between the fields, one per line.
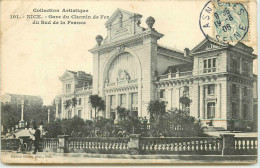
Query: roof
x=26 y=96
x=68 y=74
x=170 y=48
x=180 y=68
x=119 y=11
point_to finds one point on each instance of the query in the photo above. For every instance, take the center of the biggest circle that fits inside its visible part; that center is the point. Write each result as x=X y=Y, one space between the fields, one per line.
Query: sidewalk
x=237 y=134
x=86 y=158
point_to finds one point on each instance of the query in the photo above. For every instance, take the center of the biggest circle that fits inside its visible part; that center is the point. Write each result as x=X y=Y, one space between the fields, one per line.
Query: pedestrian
x=37 y=136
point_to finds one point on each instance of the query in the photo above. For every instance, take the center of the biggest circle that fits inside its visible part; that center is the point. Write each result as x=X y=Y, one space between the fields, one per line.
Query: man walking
x=37 y=136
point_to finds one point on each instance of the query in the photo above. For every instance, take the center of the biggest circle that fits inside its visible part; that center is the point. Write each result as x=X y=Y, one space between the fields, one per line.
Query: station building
x=213 y=82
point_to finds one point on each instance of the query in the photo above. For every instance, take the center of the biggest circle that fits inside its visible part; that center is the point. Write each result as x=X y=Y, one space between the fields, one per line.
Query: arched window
x=123 y=67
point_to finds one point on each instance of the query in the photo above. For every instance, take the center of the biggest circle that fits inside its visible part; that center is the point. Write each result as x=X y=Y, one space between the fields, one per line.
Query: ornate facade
x=212 y=82
x=74 y=100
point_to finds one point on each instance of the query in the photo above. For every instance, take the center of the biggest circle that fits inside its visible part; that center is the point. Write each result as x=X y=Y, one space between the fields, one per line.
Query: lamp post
x=21 y=122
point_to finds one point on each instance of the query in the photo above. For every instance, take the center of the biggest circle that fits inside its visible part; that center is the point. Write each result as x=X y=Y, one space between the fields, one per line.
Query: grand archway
x=122 y=82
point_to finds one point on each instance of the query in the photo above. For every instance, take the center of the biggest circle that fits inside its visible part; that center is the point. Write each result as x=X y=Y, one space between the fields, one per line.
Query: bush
x=176 y=123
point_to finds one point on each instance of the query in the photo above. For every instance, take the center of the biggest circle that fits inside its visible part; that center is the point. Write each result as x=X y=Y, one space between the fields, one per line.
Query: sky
x=33 y=57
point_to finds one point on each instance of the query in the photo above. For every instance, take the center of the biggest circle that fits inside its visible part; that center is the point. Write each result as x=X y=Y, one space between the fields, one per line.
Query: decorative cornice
x=77 y=93
x=188 y=79
x=140 y=36
x=123 y=88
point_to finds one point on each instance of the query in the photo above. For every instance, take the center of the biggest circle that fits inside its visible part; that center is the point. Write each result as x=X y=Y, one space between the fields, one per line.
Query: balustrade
x=99 y=144
x=150 y=145
x=245 y=145
x=174 y=75
x=51 y=143
x=180 y=145
x=123 y=82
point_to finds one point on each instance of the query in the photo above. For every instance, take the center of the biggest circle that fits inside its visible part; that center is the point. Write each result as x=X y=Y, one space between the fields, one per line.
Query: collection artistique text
x=63 y=10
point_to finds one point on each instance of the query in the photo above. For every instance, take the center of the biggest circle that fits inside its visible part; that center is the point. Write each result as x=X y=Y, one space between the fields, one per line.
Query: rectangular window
x=245 y=91
x=211 y=89
x=69 y=114
x=186 y=91
x=79 y=101
x=205 y=64
x=135 y=99
x=68 y=87
x=79 y=113
x=162 y=93
x=245 y=111
x=113 y=102
x=123 y=100
x=211 y=110
x=209 y=65
x=234 y=110
x=246 y=68
x=234 y=89
x=234 y=65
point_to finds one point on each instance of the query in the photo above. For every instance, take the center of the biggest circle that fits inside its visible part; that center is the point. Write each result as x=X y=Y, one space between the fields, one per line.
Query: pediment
x=67 y=75
x=208 y=45
x=122 y=24
x=119 y=15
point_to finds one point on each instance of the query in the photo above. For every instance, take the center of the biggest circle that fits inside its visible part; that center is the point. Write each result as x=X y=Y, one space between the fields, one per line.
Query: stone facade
x=17 y=98
x=131 y=69
x=78 y=86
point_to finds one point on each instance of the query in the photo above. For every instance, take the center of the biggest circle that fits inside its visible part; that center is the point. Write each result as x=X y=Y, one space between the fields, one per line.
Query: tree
x=156 y=109
x=67 y=106
x=177 y=123
x=122 y=113
x=74 y=103
x=10 y=115
x=53 y=129
x=97 y=103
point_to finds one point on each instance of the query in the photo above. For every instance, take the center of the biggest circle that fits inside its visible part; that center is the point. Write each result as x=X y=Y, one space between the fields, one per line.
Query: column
x=107 y=106
x=128 y=101
x=174 y=101
x=169 y=98
x=240 y=102
x=139 y=95
x=202 y=116
x=117 y=104
x=177 y=98
x=218 y=109
x=240 y=65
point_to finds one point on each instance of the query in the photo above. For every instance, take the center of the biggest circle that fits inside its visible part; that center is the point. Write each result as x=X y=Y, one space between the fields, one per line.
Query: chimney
x=186 y=52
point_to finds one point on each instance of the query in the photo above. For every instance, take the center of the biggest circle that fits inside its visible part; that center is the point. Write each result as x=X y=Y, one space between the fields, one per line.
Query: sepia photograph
x=129 y=82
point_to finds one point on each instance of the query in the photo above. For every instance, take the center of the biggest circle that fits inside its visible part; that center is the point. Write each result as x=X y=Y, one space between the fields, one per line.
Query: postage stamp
x=225 y=21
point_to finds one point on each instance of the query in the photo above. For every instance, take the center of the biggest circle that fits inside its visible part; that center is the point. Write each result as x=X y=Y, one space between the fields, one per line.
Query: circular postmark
x=224 y=21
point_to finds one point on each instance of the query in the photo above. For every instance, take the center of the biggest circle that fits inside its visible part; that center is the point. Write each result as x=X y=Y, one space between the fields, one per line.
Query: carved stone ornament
x=123 y=75
x=120 y=48
x=150 y=22
x=99 y=39
x=120 y=19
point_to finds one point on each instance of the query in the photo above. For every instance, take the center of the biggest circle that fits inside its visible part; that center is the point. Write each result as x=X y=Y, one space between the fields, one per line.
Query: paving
x=86 y=158
x=237 y=134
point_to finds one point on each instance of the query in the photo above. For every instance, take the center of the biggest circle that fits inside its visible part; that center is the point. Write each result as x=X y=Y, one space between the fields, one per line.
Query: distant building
x=74 y=85
x=16 y=99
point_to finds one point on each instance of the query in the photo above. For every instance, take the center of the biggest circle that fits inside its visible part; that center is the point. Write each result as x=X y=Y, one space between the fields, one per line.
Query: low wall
x=226 y=144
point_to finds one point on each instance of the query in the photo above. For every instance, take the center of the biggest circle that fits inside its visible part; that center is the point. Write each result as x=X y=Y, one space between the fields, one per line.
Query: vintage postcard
x=129 y=82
